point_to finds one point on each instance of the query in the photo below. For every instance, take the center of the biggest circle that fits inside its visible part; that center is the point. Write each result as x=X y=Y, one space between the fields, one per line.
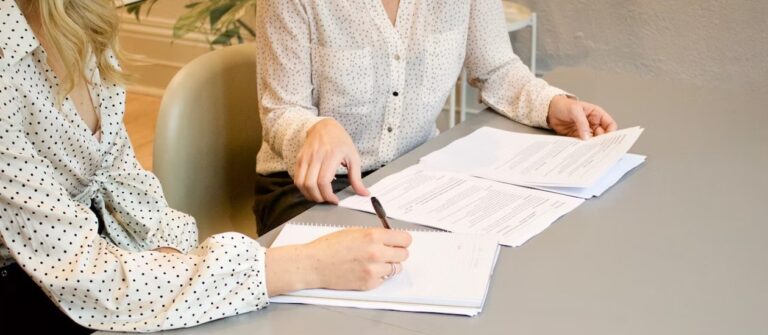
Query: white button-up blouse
x=57 y=181
x=385 y=84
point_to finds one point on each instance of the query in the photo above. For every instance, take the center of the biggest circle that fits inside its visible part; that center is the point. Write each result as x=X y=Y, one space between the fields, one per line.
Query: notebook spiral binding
x=315 y=224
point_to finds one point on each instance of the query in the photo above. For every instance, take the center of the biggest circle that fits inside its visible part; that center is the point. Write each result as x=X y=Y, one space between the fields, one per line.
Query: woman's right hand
x=326 y=147
x=350 y=259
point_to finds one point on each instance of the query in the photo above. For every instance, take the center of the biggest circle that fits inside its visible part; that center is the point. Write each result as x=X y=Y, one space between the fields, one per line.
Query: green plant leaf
x=150 y=4
x=226 y=37
x=135 y=8
x=218 y=12
x=219 y=18
x=191 y=21
x=246 y=27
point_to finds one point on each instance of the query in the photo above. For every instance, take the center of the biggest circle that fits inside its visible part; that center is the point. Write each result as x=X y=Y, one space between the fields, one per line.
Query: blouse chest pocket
x=444 y=53
x=343 y=79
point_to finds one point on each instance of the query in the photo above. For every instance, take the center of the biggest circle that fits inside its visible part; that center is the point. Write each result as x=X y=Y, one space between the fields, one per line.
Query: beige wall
x=709 y=42
x=155 y=57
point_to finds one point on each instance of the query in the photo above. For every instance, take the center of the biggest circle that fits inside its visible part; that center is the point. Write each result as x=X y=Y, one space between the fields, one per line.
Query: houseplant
x=220 y=20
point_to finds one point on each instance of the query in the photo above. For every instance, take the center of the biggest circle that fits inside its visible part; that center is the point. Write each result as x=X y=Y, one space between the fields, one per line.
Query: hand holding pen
x=379 y=209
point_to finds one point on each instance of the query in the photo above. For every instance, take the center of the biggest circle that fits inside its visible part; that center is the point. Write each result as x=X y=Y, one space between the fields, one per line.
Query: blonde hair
x=77 y=28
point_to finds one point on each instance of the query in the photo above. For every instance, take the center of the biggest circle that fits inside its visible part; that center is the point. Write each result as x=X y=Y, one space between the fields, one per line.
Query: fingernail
x=587 y=135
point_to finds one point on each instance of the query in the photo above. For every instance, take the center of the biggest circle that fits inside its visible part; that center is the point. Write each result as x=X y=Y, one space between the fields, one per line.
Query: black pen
x=380 y=212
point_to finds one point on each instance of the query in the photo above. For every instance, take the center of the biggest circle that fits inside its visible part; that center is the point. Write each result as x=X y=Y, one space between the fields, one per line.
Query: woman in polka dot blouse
x=348 y=86
x=87 y=240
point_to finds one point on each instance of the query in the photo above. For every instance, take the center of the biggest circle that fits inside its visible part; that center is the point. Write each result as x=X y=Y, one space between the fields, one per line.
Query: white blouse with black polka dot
x=384 y=83
x=53 y=171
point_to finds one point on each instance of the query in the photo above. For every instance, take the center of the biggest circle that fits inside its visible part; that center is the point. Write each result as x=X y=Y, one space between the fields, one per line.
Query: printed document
x=534 y=160
x=464 y=204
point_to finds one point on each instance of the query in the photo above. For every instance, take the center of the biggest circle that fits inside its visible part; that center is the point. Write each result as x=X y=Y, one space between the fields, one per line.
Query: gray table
x=679 y=246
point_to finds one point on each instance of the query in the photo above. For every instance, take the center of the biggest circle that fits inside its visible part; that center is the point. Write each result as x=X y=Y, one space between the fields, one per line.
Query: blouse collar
x=16 y=36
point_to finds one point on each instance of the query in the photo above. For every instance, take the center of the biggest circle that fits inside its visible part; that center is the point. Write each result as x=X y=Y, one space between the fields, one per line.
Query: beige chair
x=207 y=137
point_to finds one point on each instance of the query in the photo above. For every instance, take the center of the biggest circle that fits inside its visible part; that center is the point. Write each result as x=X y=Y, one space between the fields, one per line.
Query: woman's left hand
x=580 y=119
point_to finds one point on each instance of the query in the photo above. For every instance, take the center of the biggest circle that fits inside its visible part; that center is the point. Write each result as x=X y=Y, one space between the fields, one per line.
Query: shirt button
x=395 y=93
x=389 y=129
x=397 y=57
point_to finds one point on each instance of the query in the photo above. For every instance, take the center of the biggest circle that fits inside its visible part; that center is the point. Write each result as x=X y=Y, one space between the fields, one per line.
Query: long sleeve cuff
x=177 y=230
x=289 y=133
x=540 y=109
x=515 y=93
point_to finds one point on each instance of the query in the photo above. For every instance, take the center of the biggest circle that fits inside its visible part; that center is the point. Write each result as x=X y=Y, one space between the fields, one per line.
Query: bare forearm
x=289 y=269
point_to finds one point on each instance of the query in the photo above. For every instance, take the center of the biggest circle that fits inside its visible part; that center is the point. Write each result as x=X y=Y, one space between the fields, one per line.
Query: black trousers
x=279 y=200
x=21 y=299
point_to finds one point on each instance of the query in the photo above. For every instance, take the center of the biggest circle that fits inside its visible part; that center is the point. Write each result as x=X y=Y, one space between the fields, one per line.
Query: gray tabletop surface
x=678 y=246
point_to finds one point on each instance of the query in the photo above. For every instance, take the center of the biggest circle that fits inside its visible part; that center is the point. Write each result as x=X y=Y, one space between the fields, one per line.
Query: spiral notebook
x=445 y=273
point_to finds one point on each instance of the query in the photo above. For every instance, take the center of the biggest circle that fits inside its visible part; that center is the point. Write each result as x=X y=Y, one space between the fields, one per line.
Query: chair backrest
x=208 y=133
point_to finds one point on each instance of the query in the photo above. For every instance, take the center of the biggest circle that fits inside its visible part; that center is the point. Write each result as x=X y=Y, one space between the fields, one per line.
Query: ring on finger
x=392 y=273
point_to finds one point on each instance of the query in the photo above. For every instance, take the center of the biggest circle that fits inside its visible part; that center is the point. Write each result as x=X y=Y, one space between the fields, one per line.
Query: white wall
x=705 y=42
x=709 y=42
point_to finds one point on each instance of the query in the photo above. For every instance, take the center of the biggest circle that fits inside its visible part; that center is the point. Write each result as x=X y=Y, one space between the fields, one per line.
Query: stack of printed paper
x=509 y=185
x=559 y=164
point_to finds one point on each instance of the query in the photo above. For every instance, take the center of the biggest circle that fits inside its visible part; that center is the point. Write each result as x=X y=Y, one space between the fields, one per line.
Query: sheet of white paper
x=625 y=164
x=533 y=160
x=464 y=204
x=287 y=299
x=456 y=282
